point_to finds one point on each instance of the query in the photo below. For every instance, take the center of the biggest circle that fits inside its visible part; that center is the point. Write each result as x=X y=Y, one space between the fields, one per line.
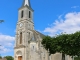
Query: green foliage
x=62 y=44
x=9 y=57
x=0 y=57
x=48 y=44
x=68 y=44
x=76 y=58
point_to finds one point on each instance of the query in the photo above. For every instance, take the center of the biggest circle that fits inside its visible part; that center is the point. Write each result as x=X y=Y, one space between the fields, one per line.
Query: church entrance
x=19 y=57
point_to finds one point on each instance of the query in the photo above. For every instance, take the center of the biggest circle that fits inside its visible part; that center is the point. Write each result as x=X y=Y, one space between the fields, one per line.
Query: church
x=28 y=41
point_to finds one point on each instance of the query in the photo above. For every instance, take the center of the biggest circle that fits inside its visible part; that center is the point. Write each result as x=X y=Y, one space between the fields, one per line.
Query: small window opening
x=29 y=14
x=22 y=13
x=29 y=34
x=33 y=47
x=21 y=38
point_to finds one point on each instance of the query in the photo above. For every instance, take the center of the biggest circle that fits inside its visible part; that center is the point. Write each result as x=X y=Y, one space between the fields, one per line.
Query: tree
x=62 y=44
x=68 y=44
x=9 y=57
x=0 y=57
x=48 y=44
x=57 y=44
x=74 y=42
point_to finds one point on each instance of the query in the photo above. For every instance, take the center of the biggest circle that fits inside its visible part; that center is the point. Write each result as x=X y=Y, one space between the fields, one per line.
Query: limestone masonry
x=28 y=41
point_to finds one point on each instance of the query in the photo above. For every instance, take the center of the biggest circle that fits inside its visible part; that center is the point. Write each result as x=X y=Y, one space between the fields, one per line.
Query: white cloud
x=6 y=43
x=4 y=49
x=74 y=6
x=69 y=24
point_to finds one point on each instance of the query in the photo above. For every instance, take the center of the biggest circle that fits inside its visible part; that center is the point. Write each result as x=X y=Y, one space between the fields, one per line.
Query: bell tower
x=26 y=14
x=25 y=23
x=24 y=30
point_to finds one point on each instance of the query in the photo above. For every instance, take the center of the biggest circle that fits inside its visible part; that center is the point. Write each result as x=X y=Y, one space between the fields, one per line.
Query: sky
x=51 y=17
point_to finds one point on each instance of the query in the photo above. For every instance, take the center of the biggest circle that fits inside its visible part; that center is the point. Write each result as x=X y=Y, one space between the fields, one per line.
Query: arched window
x=33 y=47
x=22 y=14
x=29 y=14
x=29 y=35
x=21 y=38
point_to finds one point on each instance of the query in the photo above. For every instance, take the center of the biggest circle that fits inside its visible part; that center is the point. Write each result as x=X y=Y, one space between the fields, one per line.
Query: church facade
x=28 y=41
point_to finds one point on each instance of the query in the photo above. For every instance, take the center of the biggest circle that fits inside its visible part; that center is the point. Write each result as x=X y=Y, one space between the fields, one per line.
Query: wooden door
x=19 y=57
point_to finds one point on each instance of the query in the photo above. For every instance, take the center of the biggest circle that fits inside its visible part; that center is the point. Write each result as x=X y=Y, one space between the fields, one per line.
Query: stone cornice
x=27 y=7
x=20 y=46
x=22 y=20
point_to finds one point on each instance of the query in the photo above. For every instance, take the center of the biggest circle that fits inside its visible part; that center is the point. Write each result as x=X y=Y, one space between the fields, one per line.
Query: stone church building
x=28 y=40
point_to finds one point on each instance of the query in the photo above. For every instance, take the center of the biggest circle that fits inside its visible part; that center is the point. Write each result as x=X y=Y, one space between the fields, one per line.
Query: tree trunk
x=63 y=56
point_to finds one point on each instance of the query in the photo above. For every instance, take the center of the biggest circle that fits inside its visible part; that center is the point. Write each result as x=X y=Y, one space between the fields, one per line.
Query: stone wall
x=3 y=59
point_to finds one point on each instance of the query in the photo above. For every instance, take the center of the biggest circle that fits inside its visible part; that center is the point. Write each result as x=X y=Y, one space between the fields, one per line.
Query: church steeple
x=26 y=2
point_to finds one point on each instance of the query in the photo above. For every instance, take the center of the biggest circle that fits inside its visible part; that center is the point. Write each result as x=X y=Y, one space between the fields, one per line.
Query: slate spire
x=26 y=2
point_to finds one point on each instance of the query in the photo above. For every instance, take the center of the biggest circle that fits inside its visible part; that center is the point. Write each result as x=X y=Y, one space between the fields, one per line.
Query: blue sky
x=50 y=17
